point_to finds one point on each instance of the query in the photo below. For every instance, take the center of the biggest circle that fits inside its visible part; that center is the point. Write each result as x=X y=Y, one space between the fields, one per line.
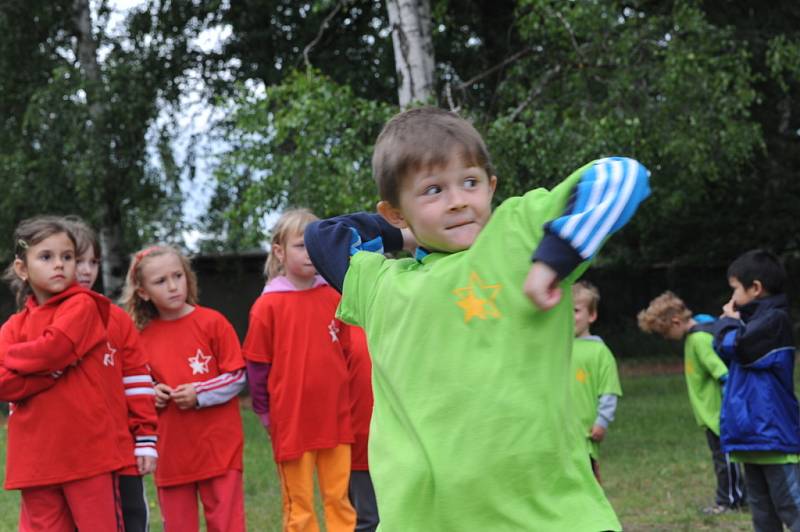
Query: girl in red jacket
x=298 y=381
x=63 y=442
x=197 y=364
x=135 y=409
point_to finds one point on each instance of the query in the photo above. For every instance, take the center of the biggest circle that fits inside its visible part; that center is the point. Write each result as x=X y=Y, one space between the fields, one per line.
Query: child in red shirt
x=136 y=410
x=63 y=444
x=298 y=381
x=196 y=361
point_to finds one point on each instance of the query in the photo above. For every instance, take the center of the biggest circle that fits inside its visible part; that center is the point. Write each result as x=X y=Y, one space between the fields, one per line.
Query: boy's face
x=743 y=295
x=445 y=207
x=583 y=317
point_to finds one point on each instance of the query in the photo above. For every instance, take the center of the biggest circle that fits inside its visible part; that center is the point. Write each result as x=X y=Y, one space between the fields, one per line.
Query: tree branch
x=506 y=61
x=310 y=46
x=537 y=90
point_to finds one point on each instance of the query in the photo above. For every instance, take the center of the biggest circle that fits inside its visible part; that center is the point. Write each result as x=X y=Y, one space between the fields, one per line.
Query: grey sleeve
x=606 y=407
x=220 y=389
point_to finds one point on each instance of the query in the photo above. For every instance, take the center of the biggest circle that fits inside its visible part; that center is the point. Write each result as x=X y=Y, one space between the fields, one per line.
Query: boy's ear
x=493 y=183
x=392 y=214
x=20 y=269
x=592 y=317
x=756 y=289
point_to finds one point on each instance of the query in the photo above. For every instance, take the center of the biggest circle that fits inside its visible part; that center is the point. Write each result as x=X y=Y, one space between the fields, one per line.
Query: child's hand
x=163 y=393
x=541 y=286
x=185 y=396
x=597 y=434
x=146 y=464
x=730 y=311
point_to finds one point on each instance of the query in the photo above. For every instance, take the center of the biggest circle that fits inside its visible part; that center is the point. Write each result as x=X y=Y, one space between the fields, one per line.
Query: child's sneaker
x=717 y=509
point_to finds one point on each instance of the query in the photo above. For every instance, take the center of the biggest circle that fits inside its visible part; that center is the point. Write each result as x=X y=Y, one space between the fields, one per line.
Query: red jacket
x=65 y=431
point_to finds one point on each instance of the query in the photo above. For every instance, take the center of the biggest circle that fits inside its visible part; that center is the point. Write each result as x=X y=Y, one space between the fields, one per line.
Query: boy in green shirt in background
x=595 y=383
x=668 y=316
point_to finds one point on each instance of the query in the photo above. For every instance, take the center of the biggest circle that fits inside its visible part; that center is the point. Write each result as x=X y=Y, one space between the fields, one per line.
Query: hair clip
x=22 y=244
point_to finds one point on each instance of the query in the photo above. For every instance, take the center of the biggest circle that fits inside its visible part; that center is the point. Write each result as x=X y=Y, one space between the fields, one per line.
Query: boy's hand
x=541 y=286
x=146 y=464
x=597 y=434
x=185 y=396
x=730 y=311
x=163 y=393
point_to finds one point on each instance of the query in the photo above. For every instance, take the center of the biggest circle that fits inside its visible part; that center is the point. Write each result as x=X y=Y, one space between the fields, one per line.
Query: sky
x=195 y=117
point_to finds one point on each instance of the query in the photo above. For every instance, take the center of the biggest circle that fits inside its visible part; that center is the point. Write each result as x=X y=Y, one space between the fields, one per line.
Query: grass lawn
x=655 y=464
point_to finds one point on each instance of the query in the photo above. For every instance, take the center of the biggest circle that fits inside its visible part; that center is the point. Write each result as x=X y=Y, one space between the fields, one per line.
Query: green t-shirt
x=471 y=429
x=764 y=457
x=703 y=368
x=594 y=373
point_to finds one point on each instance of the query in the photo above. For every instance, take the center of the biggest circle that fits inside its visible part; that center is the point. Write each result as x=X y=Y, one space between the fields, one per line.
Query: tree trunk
x=110 y=230
x=413 y=49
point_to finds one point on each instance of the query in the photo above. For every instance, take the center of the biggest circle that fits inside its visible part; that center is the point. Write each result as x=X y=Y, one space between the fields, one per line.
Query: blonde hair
x=142 y=311
x=657 y=317
x=291 y=222
x=28 y=233
x=586 y=290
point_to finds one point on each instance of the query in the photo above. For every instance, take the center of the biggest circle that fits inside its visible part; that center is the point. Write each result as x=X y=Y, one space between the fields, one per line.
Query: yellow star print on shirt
x=581 y=375
x=477 y=299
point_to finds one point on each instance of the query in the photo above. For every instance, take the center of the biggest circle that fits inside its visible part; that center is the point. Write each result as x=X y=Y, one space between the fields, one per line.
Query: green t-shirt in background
x=471 y=427
x=594 y=373
x=703 y=369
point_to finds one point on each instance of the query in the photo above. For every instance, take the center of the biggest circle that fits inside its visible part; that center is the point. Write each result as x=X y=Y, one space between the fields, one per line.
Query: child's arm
x=606 y=408
x=13 y=386
x=257 y=379
x=749 y=342
x=606 y=195
x=330 y=243
x=139 y=394
x=76 y=327
x=216 y=391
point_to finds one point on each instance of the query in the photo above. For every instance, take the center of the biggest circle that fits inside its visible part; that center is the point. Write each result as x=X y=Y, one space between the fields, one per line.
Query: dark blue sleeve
x=748 y=342
x=330 y=243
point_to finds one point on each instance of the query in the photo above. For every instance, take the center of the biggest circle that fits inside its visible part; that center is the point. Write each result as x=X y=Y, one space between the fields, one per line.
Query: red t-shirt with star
x=309 y=403
x=65 y=432
x=199 y=443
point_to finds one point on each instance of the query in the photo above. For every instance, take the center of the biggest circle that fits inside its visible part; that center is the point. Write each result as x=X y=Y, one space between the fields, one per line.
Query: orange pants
x=89 y=504
x=223 y=504
x=297 y=488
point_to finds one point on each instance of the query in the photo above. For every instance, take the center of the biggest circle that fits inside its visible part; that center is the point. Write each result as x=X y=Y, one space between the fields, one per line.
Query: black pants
x=774 y=493
x=362 y=497
x=135 y=512
x=730 y=481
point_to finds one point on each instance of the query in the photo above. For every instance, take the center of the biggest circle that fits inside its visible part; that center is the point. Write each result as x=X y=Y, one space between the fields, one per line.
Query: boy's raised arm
x=751 y=341
x=330 y=243
x=604 y=199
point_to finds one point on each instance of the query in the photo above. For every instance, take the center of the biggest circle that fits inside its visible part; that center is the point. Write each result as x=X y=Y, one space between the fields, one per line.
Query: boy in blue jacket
x=760 y=419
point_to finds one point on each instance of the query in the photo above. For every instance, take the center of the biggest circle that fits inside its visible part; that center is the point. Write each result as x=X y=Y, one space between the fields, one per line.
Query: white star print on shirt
x=199 y=362
x=333 y=329
x=108 y=357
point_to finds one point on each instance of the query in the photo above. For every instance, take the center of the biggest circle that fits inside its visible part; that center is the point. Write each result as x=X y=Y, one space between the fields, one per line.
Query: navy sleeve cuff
x=558 y=254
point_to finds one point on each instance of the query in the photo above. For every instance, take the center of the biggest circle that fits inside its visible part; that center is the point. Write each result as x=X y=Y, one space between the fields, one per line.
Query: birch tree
x=410 y=21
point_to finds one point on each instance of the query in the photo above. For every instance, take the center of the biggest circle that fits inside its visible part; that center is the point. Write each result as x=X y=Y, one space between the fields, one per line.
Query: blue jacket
x=759 y=408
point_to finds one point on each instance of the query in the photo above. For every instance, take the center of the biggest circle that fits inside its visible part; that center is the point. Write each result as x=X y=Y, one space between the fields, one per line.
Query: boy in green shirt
x=668 y=316
x=595 y=383
x=470 y=342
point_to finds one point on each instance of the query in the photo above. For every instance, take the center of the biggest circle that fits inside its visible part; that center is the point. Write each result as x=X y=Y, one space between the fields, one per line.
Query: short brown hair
x=657 y=317
x=420 y=138
x=585 y=289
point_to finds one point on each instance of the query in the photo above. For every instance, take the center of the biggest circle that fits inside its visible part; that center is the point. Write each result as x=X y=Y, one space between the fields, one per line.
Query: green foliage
x=607 y=78
x=306 y=142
